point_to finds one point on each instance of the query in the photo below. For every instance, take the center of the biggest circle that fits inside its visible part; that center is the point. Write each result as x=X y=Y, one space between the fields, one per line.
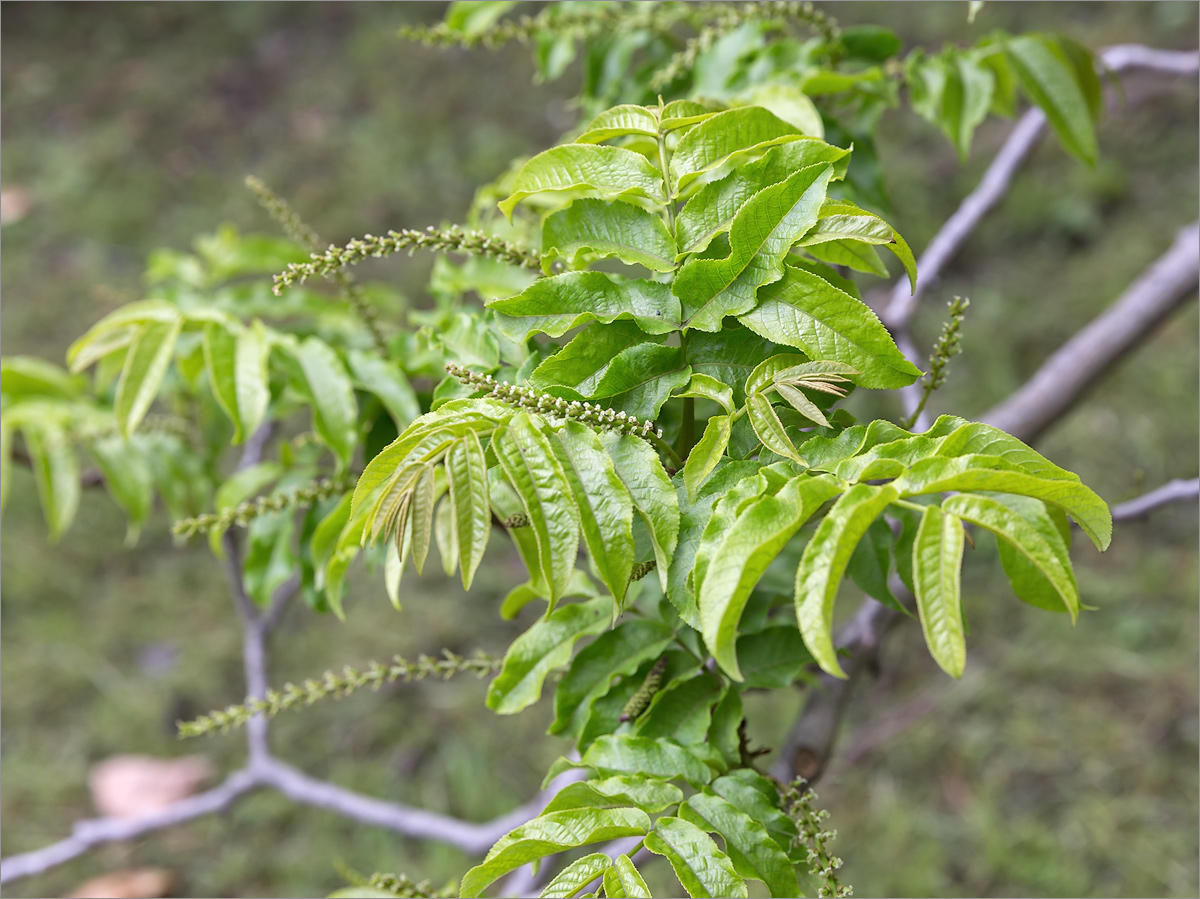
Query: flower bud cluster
x=451 y=240
x=801 y=808
x=949 y=343
x=641 y=569
x=279 y=210
x=246 y=512
x=555 y=406
x=339 y=685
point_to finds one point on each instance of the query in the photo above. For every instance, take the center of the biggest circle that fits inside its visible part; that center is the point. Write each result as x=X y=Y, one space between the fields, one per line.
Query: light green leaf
x=769 y=428
x=1050 y=80
x=116 y=329
x=424 y=498
x=629 y=754
x=707 y=387
x=758 y=797
x=855 y=255
x=618 y=652
x=56 y=472
x=237 y=372
x=27 y=376
x=609 y=172
x=593 y=228
x=702 y=868
x=937 y=563
x=623 y=881
x=752 y=849
x=641 y=471
x=682 y=710
x=1023 y=536
x=128 y=477
x=802 y=404
x=557 y=304
x=583 y=362
x=711 y=211
x=636 y=381
x=845 y=221
x=545 y=646
x=619 y=122
x=685 y=113
x=824 y=562
x=476 y=16
x=532 y=468
x=764 y=374
x=577 y=875
x=466 y=467
x=706 y=454
x=728 y=356
x=760 y=236
x=805 y=311
x=647 y=793
x=386 y=380
x=962 y=438
x=973 y=472
x=727 y=137
x=325 y=538
x=550 y=834
x=335 y=410
x=747 y=547
x=1028 y=582
x=145 y=366
x=773 y=657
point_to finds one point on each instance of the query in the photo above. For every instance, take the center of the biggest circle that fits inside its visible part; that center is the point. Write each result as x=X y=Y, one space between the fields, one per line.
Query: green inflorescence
x=449 y=240
x=246 y=512
x=799 y=806
x=338 y=685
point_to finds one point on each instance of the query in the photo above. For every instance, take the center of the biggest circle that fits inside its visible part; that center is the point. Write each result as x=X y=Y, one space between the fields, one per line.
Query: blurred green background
x=1065 y=761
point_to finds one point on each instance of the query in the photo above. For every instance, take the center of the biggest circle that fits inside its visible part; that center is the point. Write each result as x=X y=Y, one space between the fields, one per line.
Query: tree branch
x=1174 y=491
x=89 y=833
x=1060 y=383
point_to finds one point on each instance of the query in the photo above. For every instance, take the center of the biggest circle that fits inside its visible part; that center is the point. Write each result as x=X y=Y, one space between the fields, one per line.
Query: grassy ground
x=1064 y=763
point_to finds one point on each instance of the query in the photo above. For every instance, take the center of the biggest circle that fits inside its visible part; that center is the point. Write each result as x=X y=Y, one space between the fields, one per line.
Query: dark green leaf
x=1050 y=79
x=753 y=851
x=773 y=657
x=682 y=711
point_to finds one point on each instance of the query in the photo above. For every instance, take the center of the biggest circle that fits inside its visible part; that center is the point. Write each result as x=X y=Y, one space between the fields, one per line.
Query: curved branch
x=1059 y=384
x=89 y=833
x=1174 y=491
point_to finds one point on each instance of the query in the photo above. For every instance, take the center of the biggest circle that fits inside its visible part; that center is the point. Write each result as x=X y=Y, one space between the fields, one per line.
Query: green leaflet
x=937 y=561
x=727 y=137
x=824 y=561
x=610 y=172
x=116 y=329
x=335 y=410
x=702 y=868
x=974 y=472
x=637 y=381
x=769 y=428
x=28 y=376
x=711 y=211
x=685 y=113
x=725 y=733
x=640 y=470
x=386 y=380
x=774 y=657
x=869 y=565
x=594 y=228
x=706 y=454
x=749 y=791
x=745 y=550
x=728 y=356
x=966 y=438
x=237 y=371
x=583 y=362
x=764 y=373
x=145 y=366
x=706 y=387
x=683 y=709
x=620 y=121
x=760 y=235
x=1061 y=88
x=856 y=255
x=1028 y=582
x=843 y=221
x=618 y=652
x=56 y=472
x=1012 y=527
x=532 y=468
x=325 y=538
x=128 y=478
x=629 y=754
x=577 y=875
x=549 y=834
x=954 y=91
x=647 y=793
x=559 y=303
x=622 y=881
x=466 y=468
x=805 y=311
x=545 y=646
x=751 y=848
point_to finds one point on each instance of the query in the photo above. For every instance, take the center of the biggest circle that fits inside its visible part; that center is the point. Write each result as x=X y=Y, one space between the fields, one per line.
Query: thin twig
x=1176 y=491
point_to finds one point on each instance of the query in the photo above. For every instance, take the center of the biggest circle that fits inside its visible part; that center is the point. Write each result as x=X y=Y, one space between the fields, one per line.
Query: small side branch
x=1176 y=491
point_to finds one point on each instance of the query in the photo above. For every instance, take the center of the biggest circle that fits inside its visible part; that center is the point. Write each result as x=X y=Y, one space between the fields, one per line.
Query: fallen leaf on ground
x=129 y=786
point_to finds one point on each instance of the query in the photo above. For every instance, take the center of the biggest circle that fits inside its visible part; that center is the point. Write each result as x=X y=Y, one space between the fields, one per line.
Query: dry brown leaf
x=134 y=883
x=128 y=786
